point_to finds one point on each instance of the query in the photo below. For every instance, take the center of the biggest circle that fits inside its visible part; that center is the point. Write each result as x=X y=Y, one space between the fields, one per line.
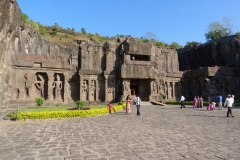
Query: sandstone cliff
x=18 y=39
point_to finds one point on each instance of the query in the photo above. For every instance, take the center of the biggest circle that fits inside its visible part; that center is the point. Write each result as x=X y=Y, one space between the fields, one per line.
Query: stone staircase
x=145 y=103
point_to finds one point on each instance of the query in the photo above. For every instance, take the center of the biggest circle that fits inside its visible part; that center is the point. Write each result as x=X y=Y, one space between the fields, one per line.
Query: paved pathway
x=159 y=133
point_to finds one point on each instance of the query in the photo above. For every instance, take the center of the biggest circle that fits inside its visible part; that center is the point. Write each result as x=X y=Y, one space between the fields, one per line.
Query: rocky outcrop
x=211 y=69
x=22 y=47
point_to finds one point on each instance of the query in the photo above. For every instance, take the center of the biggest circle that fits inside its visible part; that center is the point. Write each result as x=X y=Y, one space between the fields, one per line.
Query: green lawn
x=57 y=108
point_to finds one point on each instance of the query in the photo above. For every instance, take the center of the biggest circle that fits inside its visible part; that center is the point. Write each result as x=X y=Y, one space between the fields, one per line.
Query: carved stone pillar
x=173 y=90
x=89 y=89
x=106 y=89
x=50 y=86
x=65 y=89
x=97 y=91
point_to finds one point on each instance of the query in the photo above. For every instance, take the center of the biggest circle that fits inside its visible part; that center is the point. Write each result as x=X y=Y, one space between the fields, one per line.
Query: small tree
x=192 y=44
x=175 y=45
x=80 y=104
x=217 y=30
x=83 y=30
x=39 y=101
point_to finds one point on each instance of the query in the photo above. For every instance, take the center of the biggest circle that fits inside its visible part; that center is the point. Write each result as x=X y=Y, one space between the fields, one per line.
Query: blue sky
x=178 y=21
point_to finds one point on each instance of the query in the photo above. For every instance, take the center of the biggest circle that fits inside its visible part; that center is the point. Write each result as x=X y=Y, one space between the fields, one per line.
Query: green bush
x=39 y=101
x=65 y=114
x=53 y=33
x=80 y=104
x=34 y=24
x=24 y=17
x=42 y=29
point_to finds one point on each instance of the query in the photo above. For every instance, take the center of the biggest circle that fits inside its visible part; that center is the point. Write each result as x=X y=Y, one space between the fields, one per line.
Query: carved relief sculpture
x=58 y=87
x=39 y=84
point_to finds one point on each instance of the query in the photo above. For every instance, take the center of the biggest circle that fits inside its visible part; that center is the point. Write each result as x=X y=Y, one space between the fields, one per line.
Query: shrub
x=39 y=101
x=42 y=29
x=80 y=104
x=65 y=114
x=53 y=33
x=34 y=24
x=24 y=17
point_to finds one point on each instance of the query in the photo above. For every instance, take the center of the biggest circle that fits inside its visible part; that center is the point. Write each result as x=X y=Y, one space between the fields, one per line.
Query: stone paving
x=159 y=133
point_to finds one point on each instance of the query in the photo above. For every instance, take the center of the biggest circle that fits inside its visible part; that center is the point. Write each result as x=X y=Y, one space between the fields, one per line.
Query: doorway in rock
x=134 y=87
x=140 y=87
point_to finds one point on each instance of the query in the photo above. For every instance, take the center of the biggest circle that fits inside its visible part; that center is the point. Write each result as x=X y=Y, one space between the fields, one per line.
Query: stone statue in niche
x=29 y=77
x=161 y=87
x=169 y=91
x=126 y=85
x=110 y=86
x=39 y=82
x=58 y=87
x=154 y=87
x=93 y=85
x=84 y=86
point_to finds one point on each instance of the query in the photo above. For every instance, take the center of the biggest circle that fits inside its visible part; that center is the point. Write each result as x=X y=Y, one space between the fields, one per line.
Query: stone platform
x=159 y=133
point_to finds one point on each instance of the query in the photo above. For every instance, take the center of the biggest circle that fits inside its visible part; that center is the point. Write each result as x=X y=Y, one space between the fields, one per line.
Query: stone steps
x=145 y=103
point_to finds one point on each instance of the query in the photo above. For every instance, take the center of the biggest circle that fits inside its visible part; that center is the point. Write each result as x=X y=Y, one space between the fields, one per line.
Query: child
x=214 y=104
x=110 y=107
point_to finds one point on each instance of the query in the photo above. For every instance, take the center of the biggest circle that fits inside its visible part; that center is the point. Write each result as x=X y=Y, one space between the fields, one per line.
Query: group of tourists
x=137 y=101
x=198 y=103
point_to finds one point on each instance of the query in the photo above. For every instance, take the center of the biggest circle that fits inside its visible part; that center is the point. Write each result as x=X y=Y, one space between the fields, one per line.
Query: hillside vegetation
x=66 y=36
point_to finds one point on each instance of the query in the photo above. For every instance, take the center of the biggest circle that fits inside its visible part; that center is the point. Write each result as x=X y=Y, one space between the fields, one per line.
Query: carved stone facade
x=93 y=72
x=211 y=69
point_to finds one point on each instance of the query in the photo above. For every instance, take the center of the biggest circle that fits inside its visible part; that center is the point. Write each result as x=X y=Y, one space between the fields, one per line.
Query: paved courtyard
x=159 y=133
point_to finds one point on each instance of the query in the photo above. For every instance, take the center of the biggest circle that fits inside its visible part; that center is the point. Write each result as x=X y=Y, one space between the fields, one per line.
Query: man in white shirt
x=137 y=102
x=182 y=99
x=228 y=103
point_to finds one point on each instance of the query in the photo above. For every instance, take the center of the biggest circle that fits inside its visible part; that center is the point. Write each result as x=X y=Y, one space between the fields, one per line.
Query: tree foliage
x=83 y=30
x=192 y=44
x=162 y=44
x=175 y=45
x=217 y=30
x=24 y=17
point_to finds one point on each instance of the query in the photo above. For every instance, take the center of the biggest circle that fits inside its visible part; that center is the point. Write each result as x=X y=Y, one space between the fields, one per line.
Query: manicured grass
x=58 y=108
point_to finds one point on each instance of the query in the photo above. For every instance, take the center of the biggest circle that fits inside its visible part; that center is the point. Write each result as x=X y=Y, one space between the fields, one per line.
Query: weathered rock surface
x=211 y=69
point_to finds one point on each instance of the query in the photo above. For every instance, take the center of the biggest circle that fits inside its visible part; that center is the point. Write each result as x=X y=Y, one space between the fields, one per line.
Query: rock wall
x=93 y=72
x=211 y=69
x=29 y=64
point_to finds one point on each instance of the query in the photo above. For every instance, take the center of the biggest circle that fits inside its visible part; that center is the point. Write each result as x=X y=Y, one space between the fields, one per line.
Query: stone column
x=179 y=89
x=50 y=86
x=97 y=91
x=106 y=88
x=80 y=87
x=173 y=88
x=89 y=89
x=65 y=90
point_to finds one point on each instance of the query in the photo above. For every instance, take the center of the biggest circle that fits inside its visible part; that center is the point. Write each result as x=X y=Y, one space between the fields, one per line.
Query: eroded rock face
x=30 y=65
x=211 y=69
x=93 y=72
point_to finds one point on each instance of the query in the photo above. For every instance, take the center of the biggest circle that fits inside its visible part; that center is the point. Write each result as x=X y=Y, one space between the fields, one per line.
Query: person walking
x=233 y=100
x=228 y=103
x=182 y=102
x=128 y=103
x=201 y=102
x=137 y=102
x=219 y=99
